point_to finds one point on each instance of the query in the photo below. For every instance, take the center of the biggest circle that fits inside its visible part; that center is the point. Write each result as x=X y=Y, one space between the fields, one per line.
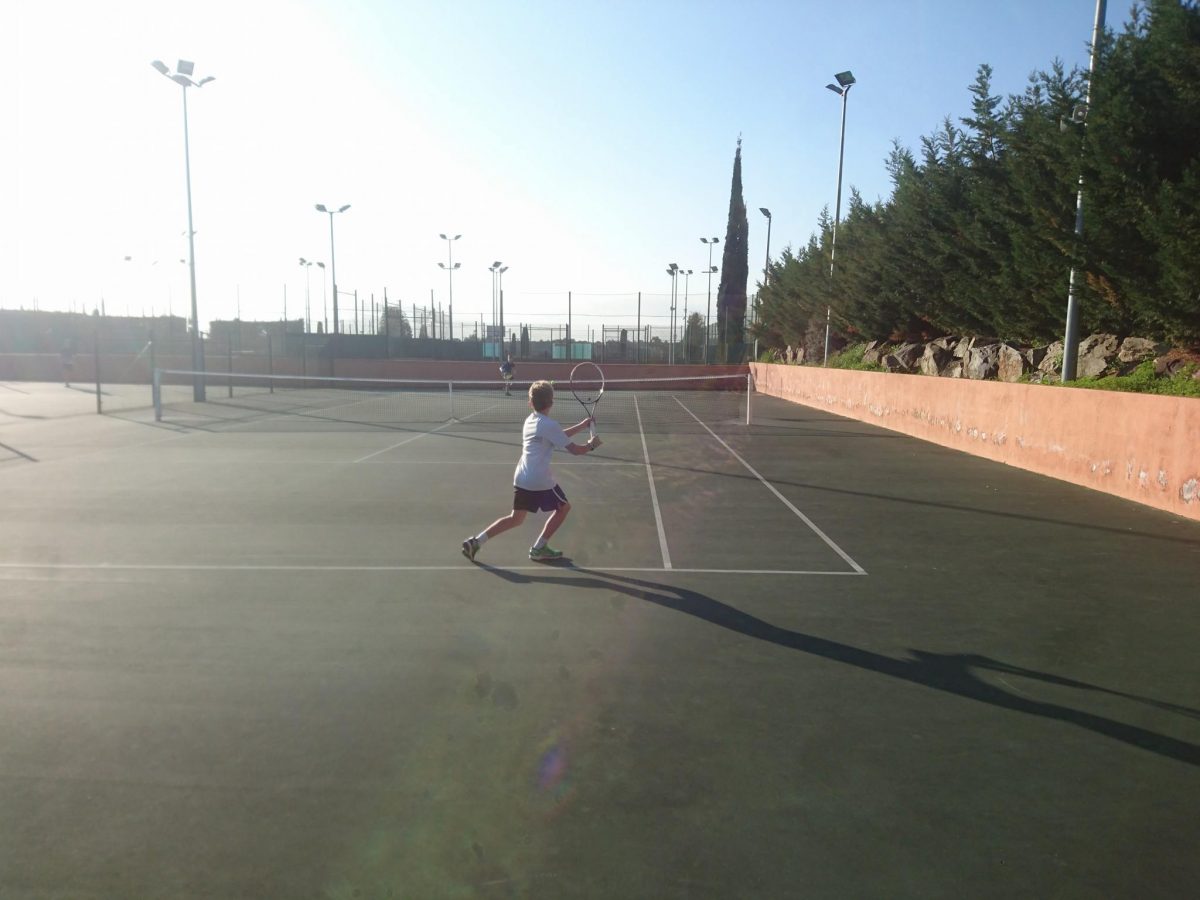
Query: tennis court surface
x=242 y=656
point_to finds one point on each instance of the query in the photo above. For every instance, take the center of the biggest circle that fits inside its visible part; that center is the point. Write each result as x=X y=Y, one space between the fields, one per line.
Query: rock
x=1098 y=344
x=934 y=359
x=1051 y=363
x=873 y=352
x=961 y=348
x=1035 y=355
x=903 y=358
x=1174 y=361
x=954 y=370
x=1010 y=364
x=1096 y=353
x=1136 y=350
x=983 y=362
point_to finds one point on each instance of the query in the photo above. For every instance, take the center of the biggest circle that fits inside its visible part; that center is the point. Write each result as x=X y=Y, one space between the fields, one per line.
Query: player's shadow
x=950 y=673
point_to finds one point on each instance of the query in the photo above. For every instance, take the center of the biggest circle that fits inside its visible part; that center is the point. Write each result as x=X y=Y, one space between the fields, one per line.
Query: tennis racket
x=587 y=384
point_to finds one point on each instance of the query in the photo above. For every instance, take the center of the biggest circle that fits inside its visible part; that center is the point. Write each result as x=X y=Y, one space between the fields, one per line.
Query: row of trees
x=978 y=236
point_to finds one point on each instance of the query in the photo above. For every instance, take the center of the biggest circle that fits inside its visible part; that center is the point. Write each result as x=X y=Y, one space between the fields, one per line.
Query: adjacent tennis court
x=242 y=655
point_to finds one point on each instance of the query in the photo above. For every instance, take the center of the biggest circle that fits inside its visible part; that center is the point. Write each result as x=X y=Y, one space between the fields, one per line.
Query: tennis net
x=626 y=404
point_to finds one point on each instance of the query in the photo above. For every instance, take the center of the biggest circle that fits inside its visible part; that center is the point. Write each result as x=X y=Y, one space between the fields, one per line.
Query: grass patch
x=1142 y=380
x=852 y=358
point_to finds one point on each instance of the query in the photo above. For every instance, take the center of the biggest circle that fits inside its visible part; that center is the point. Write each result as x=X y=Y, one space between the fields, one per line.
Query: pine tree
x=735 y=267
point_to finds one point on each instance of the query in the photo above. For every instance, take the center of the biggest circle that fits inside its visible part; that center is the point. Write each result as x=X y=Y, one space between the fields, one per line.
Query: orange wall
x=1138 y=446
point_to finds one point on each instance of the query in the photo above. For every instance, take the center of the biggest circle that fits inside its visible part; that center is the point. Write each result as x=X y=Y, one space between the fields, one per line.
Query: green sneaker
x=544 y=554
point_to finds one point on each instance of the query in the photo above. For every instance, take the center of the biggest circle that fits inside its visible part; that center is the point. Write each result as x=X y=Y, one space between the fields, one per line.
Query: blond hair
x=541 y=395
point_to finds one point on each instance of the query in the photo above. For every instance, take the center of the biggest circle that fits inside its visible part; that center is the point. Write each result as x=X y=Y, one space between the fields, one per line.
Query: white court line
x=462 y=567
x=662 y=534
x=784 y=500
x=416 y=437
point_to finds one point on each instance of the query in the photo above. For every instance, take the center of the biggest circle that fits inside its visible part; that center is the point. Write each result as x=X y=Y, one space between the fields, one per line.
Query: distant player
x=67 y=356
x=507 y=371
x=534 y=486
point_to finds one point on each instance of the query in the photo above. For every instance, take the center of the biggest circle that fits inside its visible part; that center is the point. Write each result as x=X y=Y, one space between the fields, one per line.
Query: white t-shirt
x=539 y=437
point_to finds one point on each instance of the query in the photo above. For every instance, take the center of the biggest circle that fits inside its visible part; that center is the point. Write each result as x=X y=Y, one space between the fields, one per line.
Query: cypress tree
x=735 y=267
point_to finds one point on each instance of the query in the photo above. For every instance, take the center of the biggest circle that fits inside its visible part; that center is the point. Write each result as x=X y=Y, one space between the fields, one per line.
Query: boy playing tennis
x=534 y=486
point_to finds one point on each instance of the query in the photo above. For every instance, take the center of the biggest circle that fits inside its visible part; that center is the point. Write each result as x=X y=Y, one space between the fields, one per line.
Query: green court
x=242 y=656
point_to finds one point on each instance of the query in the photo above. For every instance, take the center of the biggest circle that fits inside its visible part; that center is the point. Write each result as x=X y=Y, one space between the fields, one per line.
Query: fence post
x=96 y=354
x=230 y=346
x=639 y=330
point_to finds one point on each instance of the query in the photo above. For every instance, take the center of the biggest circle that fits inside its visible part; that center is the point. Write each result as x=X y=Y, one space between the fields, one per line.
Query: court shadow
x=950 y=673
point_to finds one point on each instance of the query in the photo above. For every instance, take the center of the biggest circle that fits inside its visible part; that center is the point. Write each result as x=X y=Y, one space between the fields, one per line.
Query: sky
x=586 y=145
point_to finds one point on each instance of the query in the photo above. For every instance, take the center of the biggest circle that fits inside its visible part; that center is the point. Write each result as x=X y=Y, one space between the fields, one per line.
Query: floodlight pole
x=307 y=314
x=500 y=291
x=673 y=271
x=766 y=274
x=687 y=274
x=1070 y=359
x=182 y=77
x=845 y=80
x=320 y=207
x=450 y=271
x=712 y=242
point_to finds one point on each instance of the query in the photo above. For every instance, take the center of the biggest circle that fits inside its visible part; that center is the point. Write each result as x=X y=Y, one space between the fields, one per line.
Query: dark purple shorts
x=539 y=501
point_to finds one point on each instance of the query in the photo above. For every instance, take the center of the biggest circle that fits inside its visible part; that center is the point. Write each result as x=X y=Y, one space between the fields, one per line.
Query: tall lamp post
x=183 y=77
x=844 y=82
x=712 y=242
x=1071 y=337
x=687 y=356
x=494 y=268
x=673 y=271
x=500 y=293
x=324 y=300
x=320 y=207
x=450 y=267
x=766 y=270
x=307 y=315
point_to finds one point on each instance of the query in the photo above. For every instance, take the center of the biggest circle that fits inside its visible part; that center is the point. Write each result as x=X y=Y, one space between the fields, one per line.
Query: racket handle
x=592 y=431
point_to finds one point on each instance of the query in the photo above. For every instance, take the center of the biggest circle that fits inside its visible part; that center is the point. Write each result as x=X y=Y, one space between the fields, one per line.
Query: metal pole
x=333 y=275
x=197 y=349
x=639 y=328
x=450 y=272
x=836 y=217
x=96 y=358
x=570 y=340
x=766 y=278
x=1071 y=338
x=270 y=364
x=708 y=308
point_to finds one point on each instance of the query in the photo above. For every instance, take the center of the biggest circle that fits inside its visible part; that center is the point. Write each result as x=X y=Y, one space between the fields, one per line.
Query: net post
x=156 y=394
x=96 y=357
x=749 y=390
x=450 y=385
